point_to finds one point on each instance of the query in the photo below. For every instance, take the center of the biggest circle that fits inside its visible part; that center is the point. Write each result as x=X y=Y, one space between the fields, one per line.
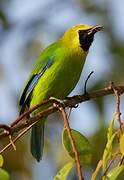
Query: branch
x=117 y=94
x=21 y=124
x=66 y=124
x=17 y=137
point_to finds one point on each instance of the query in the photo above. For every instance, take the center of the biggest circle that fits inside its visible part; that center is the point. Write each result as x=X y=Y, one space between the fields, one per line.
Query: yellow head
x=81 y=35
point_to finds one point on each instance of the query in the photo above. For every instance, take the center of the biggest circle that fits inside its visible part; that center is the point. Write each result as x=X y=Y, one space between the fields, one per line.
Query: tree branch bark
x=20 y=123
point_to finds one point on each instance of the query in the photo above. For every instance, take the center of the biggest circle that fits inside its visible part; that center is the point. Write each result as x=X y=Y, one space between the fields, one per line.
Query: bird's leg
x=7 y=129
x=85 y=85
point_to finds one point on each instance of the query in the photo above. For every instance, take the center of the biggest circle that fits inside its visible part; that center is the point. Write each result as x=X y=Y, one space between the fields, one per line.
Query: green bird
x=55 y=74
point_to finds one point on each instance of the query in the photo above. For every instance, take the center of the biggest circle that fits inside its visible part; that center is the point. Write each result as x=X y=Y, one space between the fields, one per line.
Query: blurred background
x=26 y=27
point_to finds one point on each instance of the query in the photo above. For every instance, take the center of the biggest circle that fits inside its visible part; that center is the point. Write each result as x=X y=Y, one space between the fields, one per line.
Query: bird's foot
x=57 y=102
x=73 y=106
x=5 y=128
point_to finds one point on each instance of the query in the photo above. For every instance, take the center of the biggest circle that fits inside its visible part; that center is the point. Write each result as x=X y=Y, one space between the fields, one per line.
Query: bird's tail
x=37 y=140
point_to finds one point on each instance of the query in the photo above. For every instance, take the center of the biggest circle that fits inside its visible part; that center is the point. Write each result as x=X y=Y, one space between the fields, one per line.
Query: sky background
x=33 y=25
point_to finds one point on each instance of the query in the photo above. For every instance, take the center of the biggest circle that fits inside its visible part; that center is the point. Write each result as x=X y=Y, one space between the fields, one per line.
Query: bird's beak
x=95 y=29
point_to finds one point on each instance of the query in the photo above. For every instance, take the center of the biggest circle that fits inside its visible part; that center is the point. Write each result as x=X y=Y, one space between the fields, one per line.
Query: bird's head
x=81 y=35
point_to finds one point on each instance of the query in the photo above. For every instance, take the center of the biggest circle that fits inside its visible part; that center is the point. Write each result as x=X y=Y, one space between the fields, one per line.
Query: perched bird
x=55 y=74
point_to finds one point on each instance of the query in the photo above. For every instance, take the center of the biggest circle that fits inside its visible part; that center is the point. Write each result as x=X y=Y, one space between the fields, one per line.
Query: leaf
x=4 y=175
x=110 y=128
x=110 y=137
x=122 y=144
x=108 y=151
x=95 y=173
x=1 y=160
x=83 y=146
x=113 y=174
x=64 y=172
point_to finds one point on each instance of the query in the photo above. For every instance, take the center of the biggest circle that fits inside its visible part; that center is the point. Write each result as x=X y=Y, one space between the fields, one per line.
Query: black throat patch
x=85 y=39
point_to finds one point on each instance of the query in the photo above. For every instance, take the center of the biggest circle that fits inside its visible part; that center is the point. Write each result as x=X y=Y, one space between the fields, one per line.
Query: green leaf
x=1 y=160
x=122 y=144
x=111 y=125
x=113 y=174
x=3 y=174
x=108 y=151
x=95 y=173
x=64 y=172
x=110 y=137
x=83 y=146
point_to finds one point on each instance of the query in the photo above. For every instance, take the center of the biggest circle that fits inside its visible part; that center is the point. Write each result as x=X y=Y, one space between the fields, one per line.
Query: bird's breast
x=60 y=79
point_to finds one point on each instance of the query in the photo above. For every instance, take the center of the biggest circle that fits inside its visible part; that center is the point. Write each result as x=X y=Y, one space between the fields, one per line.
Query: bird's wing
x=32 y=83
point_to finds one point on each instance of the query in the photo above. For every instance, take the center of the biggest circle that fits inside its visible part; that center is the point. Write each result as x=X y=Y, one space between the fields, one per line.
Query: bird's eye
x=85 y=39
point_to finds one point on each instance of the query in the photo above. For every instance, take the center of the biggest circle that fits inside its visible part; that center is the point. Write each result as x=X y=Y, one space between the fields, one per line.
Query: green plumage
x=55 y=74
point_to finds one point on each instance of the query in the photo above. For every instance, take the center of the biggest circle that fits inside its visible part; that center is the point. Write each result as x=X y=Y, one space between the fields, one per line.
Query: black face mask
x=85 y=39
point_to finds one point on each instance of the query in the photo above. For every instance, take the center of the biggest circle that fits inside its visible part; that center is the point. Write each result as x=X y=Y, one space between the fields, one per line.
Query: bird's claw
x=73 y=106
x=76 y=105
x=57 y=102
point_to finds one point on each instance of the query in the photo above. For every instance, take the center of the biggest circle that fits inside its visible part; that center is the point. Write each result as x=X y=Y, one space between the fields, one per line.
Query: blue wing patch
x=32 y=83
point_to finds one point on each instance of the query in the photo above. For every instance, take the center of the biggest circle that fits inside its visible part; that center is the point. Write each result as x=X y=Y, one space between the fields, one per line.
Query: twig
x=72 y=101
x=23 y=124
x=66 y=124
x=69 y=113
x=30 y=111
x=85 y=85
x=17 y=137
x=117 y=94
x=12 y=143
x=19 y=124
